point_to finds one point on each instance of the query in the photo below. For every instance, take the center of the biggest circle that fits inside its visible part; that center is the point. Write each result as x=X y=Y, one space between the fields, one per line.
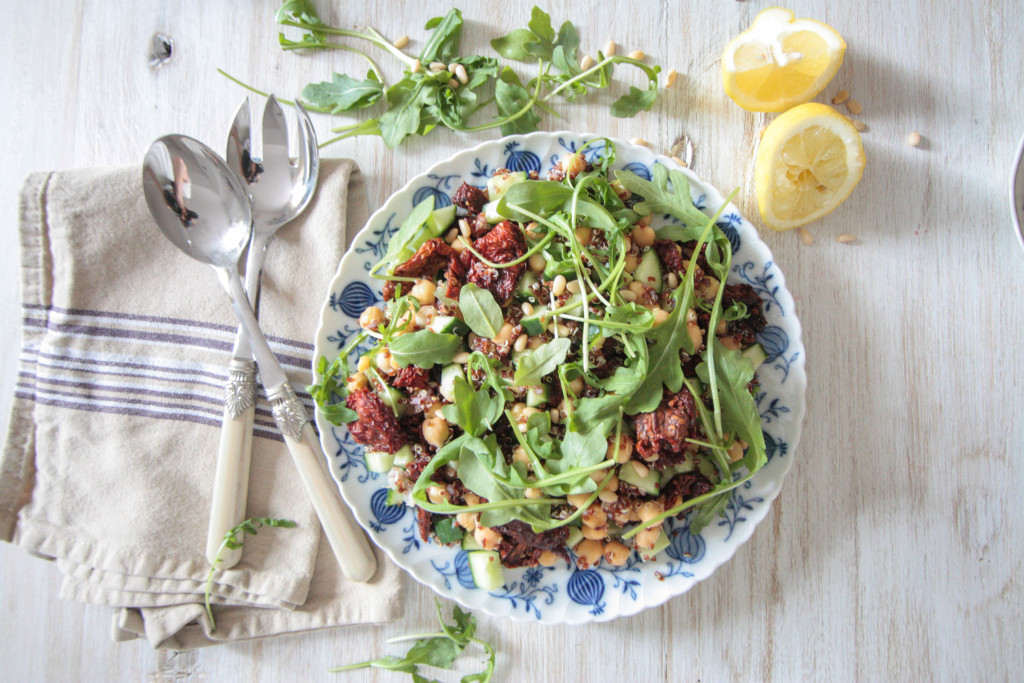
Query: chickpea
x=588 y=553
x=576 y=386
x=471 y=498
x=593 y=534
x=578 y=500
x=537 y=263
x=660 y=316
x=650 y=510
x=425 y=316
x=517 y=411
x=632 y=260
x=625 y=449
x=574 y=164
x=437 y=495
x=384 y=360
x=436 y=431
x=642 y=236
x=616 y=554
x=504 y=333
x=693 y=329
x=520 y=455
x=584 y=235
x=735 y=451
x=357 y=382
x=424 y=292
x=467 y=520
x=364 y=364
x=595 y=517
x=608 y=496
x=547 y=559
x=646 y=539
x=533 y=493
x=488 y=538
x=371 y=318
x=637 y=288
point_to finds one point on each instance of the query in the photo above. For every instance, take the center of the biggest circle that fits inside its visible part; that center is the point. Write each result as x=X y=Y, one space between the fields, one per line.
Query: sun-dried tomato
x=470 y=198
x=431 y=257
x=683 y=487
x=411 y=377
x=504 y=243
x=521 y=547
x=424 y=523
x=456 y=277
x=744 y=330
x=376 y=426
x=661 y=435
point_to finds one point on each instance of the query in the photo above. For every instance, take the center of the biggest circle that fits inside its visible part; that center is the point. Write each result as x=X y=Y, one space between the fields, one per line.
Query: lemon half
x=809 y=161
x=780 y=61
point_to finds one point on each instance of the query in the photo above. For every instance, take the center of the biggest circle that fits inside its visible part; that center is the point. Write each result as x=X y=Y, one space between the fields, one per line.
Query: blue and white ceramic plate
x=565 y=594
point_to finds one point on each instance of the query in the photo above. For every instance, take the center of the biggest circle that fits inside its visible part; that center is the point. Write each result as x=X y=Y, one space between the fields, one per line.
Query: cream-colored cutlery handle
x=230 y=484
x=351 y=548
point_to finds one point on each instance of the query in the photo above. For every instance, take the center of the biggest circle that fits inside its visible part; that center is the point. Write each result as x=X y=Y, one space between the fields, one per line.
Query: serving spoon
x=201 y=208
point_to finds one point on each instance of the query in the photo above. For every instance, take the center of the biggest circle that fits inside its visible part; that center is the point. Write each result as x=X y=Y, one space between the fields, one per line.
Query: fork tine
x=275 y=134
x=309 y=155
x=239 y=147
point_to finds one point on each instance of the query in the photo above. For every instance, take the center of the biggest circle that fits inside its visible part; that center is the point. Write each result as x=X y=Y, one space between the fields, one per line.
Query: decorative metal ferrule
x=240 y=390
x=289 y=413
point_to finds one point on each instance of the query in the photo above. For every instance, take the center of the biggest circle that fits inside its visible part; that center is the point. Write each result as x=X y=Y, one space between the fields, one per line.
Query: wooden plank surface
x=893 y=551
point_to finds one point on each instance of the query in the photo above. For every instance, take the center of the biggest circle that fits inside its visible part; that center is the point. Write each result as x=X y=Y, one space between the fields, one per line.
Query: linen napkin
x=109 y=461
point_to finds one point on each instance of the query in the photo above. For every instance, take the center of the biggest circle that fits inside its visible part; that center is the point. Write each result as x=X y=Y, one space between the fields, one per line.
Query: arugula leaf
x=660 y=198
x=480 y=311
x=473 y=410
x=540 y=25
x=443 y=45
x=343 y=93
x=447 y=531
x=301 y=11
x=733 y=373
x=424 y=348
x=406 y=100
x=635 y=101
x=232 y=540
x=545 y=359
x=664 y=364
x=325 y=391
x=514 y=45
x=403 y=242
x=510 y=97
x=597 y=415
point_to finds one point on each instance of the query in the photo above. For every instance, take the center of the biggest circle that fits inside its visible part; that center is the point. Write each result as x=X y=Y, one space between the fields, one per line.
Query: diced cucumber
x=536 y=322
x=659 y=545
x=449 y=324
x=392 y=397
x=440 y=220
x=469 y=543
x=491 y=214
x=574 y=537
x=650 y=484
x=379 y=461
x=498 y=185
x=485 y=566
x=403 y=456
x=537 y=396
x=448 y=375
x=648 y=271
x=756 y=354
x=524 y=291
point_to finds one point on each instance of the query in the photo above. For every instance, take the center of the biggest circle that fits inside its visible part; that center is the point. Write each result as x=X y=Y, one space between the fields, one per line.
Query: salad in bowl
x=558 y=374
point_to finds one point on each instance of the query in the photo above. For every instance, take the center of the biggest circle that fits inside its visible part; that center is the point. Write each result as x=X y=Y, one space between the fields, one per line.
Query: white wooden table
x=893 y=552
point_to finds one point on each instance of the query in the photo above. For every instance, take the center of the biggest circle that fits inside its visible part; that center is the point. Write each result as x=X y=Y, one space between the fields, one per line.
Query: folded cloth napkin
x=109 y=461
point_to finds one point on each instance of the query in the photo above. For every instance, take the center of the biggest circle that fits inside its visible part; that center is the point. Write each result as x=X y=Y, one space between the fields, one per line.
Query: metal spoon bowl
x=203 y=210
x=1017 y=193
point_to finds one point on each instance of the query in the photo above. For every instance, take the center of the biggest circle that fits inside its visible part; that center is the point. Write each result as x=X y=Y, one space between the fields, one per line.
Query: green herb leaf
x=510 y=97
x=447 y=531
x=480 y=311
x=343 y=93
x=404 y=242
x=660 y=198
x=329 y=388
x=443 y=44
x=514 y=45
x=406 y=100
x=733 y=373
x=540 y=25
x=473 y=410
x=424 y=348
x=635 y=101
x=545 y=359
x=664 y=363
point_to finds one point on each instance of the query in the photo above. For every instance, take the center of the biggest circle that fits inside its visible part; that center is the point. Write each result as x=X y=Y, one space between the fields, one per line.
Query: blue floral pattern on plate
x=565 y=594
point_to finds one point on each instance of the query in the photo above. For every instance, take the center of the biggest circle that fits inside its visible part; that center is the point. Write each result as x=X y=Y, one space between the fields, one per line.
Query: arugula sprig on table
x=438 y=649
x=233 y=541
x=424 y=97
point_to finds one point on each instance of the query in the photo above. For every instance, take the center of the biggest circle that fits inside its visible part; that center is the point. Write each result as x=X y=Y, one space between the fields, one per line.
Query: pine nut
x=680 y=162
x=460 y=73
x=672 y=280
x=416 y=66
x=609 y=48
x=527 y=308
x=401 y=42
x=670 y=79
x=638 y=55
x=453 y=84
x=586 y=62
x=660 y=316
x=859 y=125
x=520 y=344
x=558 y=286
x=537 y=263
x=461 y=357
x=438 y=67
x=641 y=469
x=464 y=227
x=608 y=496
x=806 y=237
x=845 y=239
x=638 y=141
x=841 y=97
x=855 y=107
x=556 y=417
x=627 y=295
x=573 y=287
x=914 y=139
